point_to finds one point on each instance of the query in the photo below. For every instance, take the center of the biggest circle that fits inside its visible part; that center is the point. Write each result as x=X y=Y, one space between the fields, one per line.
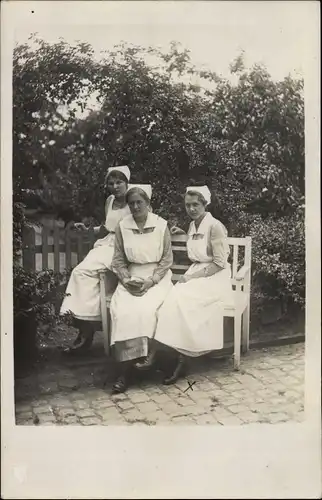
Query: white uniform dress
x=191 y=318
x=142 y=254
x=83 y=287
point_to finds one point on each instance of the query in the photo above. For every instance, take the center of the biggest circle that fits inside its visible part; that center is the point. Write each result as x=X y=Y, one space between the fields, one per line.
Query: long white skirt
x=191 y=318
x=134 y=319
x=83 y=288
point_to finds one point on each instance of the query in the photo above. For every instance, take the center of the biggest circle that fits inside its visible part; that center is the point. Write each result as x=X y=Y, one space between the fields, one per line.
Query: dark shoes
x=146 y=364
x=81 y=345
x=120 y=385
x=179 y=371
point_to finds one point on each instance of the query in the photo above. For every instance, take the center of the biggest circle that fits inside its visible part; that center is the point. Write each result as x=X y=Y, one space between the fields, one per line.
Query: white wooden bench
x=239 y=309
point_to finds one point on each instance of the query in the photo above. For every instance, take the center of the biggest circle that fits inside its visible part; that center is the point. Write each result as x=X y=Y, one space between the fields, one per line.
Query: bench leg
x=237 y=339
x=245 y=334
x=106 y=320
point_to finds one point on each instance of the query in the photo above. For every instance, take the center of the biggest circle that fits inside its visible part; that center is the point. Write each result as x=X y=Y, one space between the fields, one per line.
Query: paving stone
x=183 y=401
x=197 y=395
x=139 y=398
x=161 y=399
x=100 y=405
x=109 y=413
x=28 y=421
x=183 y=421
x=39 y=402
x=148 y=407
x=159 y=416
x=71 y=420
x=193 y=410
x=119 y=397
x=125 y=405
x=233 y=420
x=237 y=408
x=90 y=421
x=205 y=419
x=66 y=412
x=269 y=388
x=80 y=405
x=86 y=413
x=248 y=417
x=42 y=409
x=49 y=417
x=221 y=413
x=276 y=418
x=59 y=403
x=133 y=415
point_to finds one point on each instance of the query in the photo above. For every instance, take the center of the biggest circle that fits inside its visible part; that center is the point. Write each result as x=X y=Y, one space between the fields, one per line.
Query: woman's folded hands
x=137 y=286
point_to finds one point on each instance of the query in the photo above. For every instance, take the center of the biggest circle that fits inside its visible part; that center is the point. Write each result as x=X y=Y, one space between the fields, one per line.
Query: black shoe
x=146 y=364
x=80 y=346
x=179 y=371
x=120 y=385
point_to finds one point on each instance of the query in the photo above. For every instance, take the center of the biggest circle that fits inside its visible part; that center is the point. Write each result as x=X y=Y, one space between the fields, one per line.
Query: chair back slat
x=240 y=255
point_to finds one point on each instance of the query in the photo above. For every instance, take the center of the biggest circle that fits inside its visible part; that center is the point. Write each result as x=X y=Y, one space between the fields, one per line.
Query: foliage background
x=245 y=139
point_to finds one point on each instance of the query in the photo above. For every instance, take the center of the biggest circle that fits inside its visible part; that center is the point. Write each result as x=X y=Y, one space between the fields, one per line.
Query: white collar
x=129 y=222
x=205 y=221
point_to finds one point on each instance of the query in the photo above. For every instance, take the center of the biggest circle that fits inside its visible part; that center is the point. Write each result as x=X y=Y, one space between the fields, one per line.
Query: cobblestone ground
x=269 y=388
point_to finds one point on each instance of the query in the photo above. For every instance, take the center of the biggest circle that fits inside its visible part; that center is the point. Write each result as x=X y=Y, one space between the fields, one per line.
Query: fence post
x=68 y=247
x=29 y=249
x=44 y=241
x=56 y=249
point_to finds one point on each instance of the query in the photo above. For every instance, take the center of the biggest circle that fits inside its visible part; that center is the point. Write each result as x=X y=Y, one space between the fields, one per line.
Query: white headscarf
x=202 y=190
x=147 y=188
x=124 y=169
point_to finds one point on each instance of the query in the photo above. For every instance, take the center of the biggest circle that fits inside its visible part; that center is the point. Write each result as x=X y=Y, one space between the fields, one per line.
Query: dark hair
x=139 y=191
x=116 y=174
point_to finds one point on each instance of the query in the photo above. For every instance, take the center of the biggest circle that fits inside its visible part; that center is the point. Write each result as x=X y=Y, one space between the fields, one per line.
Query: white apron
x=136 y=317
x=83 y=286
x=191 y=318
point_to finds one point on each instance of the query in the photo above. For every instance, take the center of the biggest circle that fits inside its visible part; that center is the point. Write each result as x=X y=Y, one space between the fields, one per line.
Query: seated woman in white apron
x=191 y=318
x=82 y=298
x=142 y=262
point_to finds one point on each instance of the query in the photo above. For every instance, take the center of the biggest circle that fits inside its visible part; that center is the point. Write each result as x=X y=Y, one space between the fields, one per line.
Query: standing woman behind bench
x=191 y=318
x=142 y=262
x=83 y=301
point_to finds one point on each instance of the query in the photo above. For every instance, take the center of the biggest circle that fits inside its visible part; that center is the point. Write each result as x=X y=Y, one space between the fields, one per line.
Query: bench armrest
x=242 y=273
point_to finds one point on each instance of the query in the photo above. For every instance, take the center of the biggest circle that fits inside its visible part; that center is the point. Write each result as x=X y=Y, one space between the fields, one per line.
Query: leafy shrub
x=35 y=294
x=244 y=139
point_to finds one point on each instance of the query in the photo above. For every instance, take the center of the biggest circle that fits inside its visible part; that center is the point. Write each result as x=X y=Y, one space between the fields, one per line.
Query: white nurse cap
x=147 y=188
x=204 y=190
x=124 y=169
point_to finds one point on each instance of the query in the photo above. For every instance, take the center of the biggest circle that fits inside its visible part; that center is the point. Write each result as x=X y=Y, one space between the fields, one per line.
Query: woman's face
x=138 y=206
x=194 y=207
x=116 y=185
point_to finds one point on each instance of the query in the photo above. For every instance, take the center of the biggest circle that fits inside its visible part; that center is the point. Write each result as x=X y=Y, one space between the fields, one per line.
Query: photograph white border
x=253 y=461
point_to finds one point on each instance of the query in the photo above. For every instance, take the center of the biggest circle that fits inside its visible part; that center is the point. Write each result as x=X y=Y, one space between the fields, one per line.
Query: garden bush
x=243 y=138
x=35 y=294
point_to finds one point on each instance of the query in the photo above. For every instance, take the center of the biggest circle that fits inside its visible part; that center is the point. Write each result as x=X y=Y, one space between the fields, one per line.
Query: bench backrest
x=240 y=255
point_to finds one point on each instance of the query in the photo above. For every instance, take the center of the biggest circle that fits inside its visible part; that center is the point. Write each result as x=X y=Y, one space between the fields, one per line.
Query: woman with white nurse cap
x=82 y=298
x=191 y=318
x=142 y=262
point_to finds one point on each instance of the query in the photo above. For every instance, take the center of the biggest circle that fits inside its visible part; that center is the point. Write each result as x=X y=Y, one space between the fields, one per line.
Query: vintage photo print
x=159 y=249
